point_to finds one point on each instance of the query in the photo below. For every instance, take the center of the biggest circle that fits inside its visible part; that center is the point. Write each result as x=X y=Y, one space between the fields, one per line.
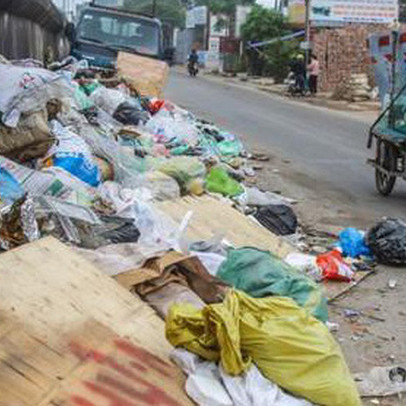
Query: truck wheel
x=386 y=157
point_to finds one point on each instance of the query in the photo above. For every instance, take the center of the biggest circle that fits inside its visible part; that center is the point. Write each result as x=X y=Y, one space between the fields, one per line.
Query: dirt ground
x=378 y=336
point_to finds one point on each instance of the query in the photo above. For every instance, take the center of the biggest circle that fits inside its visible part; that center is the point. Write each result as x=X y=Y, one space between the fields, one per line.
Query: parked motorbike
x=295 y=85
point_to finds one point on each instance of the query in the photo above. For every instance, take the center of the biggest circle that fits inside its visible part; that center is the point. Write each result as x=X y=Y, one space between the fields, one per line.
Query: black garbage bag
x=129 y=114
x=280 y=219
x=387 y=241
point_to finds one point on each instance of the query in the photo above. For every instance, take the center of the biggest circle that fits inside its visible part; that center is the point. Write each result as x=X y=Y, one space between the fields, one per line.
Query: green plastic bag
x=219 y=181
x=230 y=148
x=261 y=274
x=184 y=170
x=290 y=347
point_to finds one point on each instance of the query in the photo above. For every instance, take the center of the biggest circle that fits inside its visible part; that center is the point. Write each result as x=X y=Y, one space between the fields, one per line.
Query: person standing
x=314 y=71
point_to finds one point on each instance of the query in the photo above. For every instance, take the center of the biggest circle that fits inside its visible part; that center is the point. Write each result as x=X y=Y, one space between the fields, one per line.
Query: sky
x=267 y=3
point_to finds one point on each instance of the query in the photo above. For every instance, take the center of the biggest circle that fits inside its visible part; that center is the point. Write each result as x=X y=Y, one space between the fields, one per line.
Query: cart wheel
x=386 y=157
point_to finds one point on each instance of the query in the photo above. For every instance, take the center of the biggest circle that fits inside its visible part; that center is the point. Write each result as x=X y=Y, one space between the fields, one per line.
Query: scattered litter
x=352 y=243
x=334 y=268
x=382 y=381
x=279 y=219
x=387 y=241
x=392 y=283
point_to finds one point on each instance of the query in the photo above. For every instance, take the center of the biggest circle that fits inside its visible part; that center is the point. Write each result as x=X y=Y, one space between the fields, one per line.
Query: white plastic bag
x=249 y=389
x=24 y=90
x=108 y=99
x=253 y=389
x=306 y=264
x=211 y=261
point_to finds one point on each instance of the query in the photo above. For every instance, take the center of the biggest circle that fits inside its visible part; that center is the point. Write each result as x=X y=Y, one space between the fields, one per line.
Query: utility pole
x=307 y=32
x=154 y=7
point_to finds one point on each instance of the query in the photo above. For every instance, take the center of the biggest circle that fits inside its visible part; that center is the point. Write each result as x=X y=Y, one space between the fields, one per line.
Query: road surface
x=328 y=145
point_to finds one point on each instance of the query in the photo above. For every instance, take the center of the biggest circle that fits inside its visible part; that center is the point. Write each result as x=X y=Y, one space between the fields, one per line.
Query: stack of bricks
x=343 y=52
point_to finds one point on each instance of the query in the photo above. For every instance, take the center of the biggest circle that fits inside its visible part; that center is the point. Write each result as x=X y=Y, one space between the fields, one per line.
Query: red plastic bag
x=334 y=268
x=155 y=105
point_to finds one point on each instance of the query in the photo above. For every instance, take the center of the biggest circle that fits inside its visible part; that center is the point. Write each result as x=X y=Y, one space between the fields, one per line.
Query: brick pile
x=343 y=52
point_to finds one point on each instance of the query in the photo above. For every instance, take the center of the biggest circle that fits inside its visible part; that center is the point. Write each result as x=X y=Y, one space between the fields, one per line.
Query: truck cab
x=102 y=32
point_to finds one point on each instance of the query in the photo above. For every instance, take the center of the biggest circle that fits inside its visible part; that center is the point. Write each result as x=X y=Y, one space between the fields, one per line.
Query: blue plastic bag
x=10 y=189
x=73 y=154
x=352 y=243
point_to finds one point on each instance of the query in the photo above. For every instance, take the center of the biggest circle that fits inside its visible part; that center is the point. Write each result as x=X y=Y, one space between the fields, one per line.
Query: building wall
x=341 y=52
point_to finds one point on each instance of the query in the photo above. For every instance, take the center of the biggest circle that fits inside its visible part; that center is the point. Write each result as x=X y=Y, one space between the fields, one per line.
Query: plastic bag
x=174 y=125
x=129 y=114
x=24 y=90
x=51 y=181
x=387 y=241
x=108 y=99
x=218 y=181
x=230 y=148
x=334 y=268
x=261 y=274
x=249 y=389
x=306 y=264
x=279 y=219
x=73 y=154
x=382 y=381
x=289 y=347
x=10 y=189
x=352 y=243
x=184 y=170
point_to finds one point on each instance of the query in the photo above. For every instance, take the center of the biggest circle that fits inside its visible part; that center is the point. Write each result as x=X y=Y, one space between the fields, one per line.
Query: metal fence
x=30 y=29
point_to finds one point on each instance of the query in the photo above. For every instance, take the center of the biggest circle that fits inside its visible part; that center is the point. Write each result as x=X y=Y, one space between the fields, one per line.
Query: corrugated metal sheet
x=28 y=28
x=42 y=12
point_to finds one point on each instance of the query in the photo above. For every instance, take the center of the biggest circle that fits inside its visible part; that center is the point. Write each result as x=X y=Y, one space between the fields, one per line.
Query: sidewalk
x=267 y=85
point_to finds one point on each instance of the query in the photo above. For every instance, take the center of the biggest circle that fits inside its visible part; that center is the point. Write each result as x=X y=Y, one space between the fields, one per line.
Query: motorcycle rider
x=193 y=61
x=298 y=68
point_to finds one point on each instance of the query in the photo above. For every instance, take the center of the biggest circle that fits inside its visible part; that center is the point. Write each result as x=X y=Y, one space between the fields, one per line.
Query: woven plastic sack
x=290 y=348
x=261 y=274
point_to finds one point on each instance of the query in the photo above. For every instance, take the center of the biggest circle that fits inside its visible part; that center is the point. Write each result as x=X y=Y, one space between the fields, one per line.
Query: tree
x=168 y=11
x=265 y=24
x=226 y=8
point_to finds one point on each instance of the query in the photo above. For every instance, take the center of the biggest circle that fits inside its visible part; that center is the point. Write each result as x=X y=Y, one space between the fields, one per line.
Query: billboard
x=338 y=12
x=296 y=12
x=354 y=11
x=196 y=16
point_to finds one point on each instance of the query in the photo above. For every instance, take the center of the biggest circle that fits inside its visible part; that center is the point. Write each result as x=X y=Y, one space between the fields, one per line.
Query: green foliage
x=263 y=24
x=226 y=7
x=273 y=60
x=277 y=57
x=168 y=11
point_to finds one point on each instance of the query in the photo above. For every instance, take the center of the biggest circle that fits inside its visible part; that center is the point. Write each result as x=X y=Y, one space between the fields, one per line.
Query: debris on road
x=152 y=198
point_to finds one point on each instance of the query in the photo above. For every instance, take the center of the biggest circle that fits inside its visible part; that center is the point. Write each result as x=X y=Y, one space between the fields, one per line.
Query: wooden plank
x=51 y=302
x=52 y=290
x=214 y=217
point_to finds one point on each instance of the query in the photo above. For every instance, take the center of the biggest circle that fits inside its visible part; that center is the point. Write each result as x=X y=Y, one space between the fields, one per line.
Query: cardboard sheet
x=70 y=335
x=146 y=75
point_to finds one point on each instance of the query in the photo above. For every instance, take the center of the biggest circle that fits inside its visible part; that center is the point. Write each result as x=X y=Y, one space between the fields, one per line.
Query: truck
x=102 y=32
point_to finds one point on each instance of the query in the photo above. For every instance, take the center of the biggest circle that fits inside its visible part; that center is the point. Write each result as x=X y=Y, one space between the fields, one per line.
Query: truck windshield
x=116 y=30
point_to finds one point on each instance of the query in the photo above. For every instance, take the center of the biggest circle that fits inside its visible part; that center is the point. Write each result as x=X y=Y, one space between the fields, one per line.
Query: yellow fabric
x=291 y=348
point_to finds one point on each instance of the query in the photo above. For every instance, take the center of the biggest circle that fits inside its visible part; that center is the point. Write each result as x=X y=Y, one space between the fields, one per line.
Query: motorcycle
x=193 y=69
x=296 y=85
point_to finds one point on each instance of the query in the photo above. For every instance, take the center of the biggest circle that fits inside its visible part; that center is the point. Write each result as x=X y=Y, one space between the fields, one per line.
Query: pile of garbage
x=84 y=158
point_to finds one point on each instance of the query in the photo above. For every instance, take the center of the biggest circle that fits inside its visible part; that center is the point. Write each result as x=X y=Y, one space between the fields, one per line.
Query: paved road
x=326 y=144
